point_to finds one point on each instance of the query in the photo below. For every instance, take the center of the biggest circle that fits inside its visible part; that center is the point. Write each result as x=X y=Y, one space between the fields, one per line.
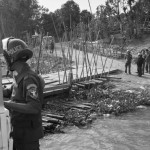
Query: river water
x=130 y=131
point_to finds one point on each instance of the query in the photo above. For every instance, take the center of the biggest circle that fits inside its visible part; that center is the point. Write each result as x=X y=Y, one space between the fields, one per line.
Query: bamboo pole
x=94 y=56
x=82 y=72
x=58 y=67
x=80 y=46
x=58 y=38
x=98 y=55
x=106 y=57
x=1 y=93
x=85 y=53
x=64 y=62
x=40 y=52
x=76 y=61
x=101 y=59
x=90 y=6
x=77 y=56
x=2 y=24
x=49 y=61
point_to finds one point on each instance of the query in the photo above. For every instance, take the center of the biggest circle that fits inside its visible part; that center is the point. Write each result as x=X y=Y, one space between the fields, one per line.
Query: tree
x=18 y=16
x=86 y=16
x=70 y=13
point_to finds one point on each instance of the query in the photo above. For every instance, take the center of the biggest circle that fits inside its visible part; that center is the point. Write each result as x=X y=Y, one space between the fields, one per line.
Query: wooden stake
x=40 y=52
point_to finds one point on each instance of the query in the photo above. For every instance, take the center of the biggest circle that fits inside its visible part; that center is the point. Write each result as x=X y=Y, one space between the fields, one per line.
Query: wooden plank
x=97 y=81
x=6 y=81
x=55 y=116
x=88 y=84
x=84 y=82
x=50 y=120
x=52 y=88
x=81 y=106
x=56 y=91
x=101 y=79
x=45 y=124
x=78 y=109
x=80 y=85
x=111 y=77
x=88 y=104
x=50 y=82
x=92 y=82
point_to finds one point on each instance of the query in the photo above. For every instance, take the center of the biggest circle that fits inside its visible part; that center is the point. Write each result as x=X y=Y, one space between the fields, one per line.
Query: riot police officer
x=26 y=95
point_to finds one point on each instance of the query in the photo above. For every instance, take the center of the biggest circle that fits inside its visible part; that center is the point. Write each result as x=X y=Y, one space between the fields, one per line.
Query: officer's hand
x=4 y=86
x=7 y=104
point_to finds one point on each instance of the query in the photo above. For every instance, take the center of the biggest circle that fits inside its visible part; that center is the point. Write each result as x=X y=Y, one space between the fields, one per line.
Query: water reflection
x=127 y=132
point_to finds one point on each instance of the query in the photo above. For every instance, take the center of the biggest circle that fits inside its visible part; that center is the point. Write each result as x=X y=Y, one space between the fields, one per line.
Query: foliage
x=21 y=17
x=116 y=16
x=103 y=100
x=70 y=14
x=18 y=16
x=86 y=17
x=124 y=16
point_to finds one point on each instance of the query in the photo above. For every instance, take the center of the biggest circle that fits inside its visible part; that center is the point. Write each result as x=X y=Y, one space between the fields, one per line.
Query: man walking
x=26 y=96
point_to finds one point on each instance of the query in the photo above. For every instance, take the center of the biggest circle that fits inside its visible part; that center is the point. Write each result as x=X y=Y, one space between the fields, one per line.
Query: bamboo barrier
x=86 y=54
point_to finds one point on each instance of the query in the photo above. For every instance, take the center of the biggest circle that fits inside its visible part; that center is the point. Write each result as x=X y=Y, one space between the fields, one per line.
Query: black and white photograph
x=75 y=75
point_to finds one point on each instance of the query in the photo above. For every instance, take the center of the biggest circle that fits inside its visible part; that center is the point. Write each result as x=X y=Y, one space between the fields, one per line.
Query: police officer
x=26 y=95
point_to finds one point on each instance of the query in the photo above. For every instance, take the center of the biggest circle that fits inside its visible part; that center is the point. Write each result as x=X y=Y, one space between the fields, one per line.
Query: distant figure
x=140 y=61
x=143 y=52
x=52 y=46
x=128 y=58
x=147 y=61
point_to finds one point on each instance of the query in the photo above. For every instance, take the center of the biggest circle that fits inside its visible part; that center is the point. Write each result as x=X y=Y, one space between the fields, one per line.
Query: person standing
x=147 y=61
x=140 y=61
x=144 y=59
x=26 y=96
x=52 y=46
x=128 y=58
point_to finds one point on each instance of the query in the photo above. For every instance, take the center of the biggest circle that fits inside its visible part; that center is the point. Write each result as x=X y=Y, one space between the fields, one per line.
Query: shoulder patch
x=31 y=86
x=32 y=91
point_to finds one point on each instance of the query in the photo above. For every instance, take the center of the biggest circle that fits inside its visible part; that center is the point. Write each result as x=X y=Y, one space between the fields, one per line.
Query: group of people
x=143 y=62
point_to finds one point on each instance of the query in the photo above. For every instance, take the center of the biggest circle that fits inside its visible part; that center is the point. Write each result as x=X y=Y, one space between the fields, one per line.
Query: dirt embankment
x=139 y=44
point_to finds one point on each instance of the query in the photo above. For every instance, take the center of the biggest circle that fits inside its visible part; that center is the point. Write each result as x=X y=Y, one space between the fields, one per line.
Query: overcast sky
x=52 y=5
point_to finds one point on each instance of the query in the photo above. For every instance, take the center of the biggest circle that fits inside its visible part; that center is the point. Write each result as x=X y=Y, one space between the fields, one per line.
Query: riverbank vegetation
x=103 y=101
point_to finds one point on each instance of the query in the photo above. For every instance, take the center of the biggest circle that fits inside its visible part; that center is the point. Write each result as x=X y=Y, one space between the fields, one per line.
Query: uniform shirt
x=26 y=89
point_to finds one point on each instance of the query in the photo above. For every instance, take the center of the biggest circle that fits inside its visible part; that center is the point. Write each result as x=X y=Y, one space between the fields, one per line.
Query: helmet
x=15 y=50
